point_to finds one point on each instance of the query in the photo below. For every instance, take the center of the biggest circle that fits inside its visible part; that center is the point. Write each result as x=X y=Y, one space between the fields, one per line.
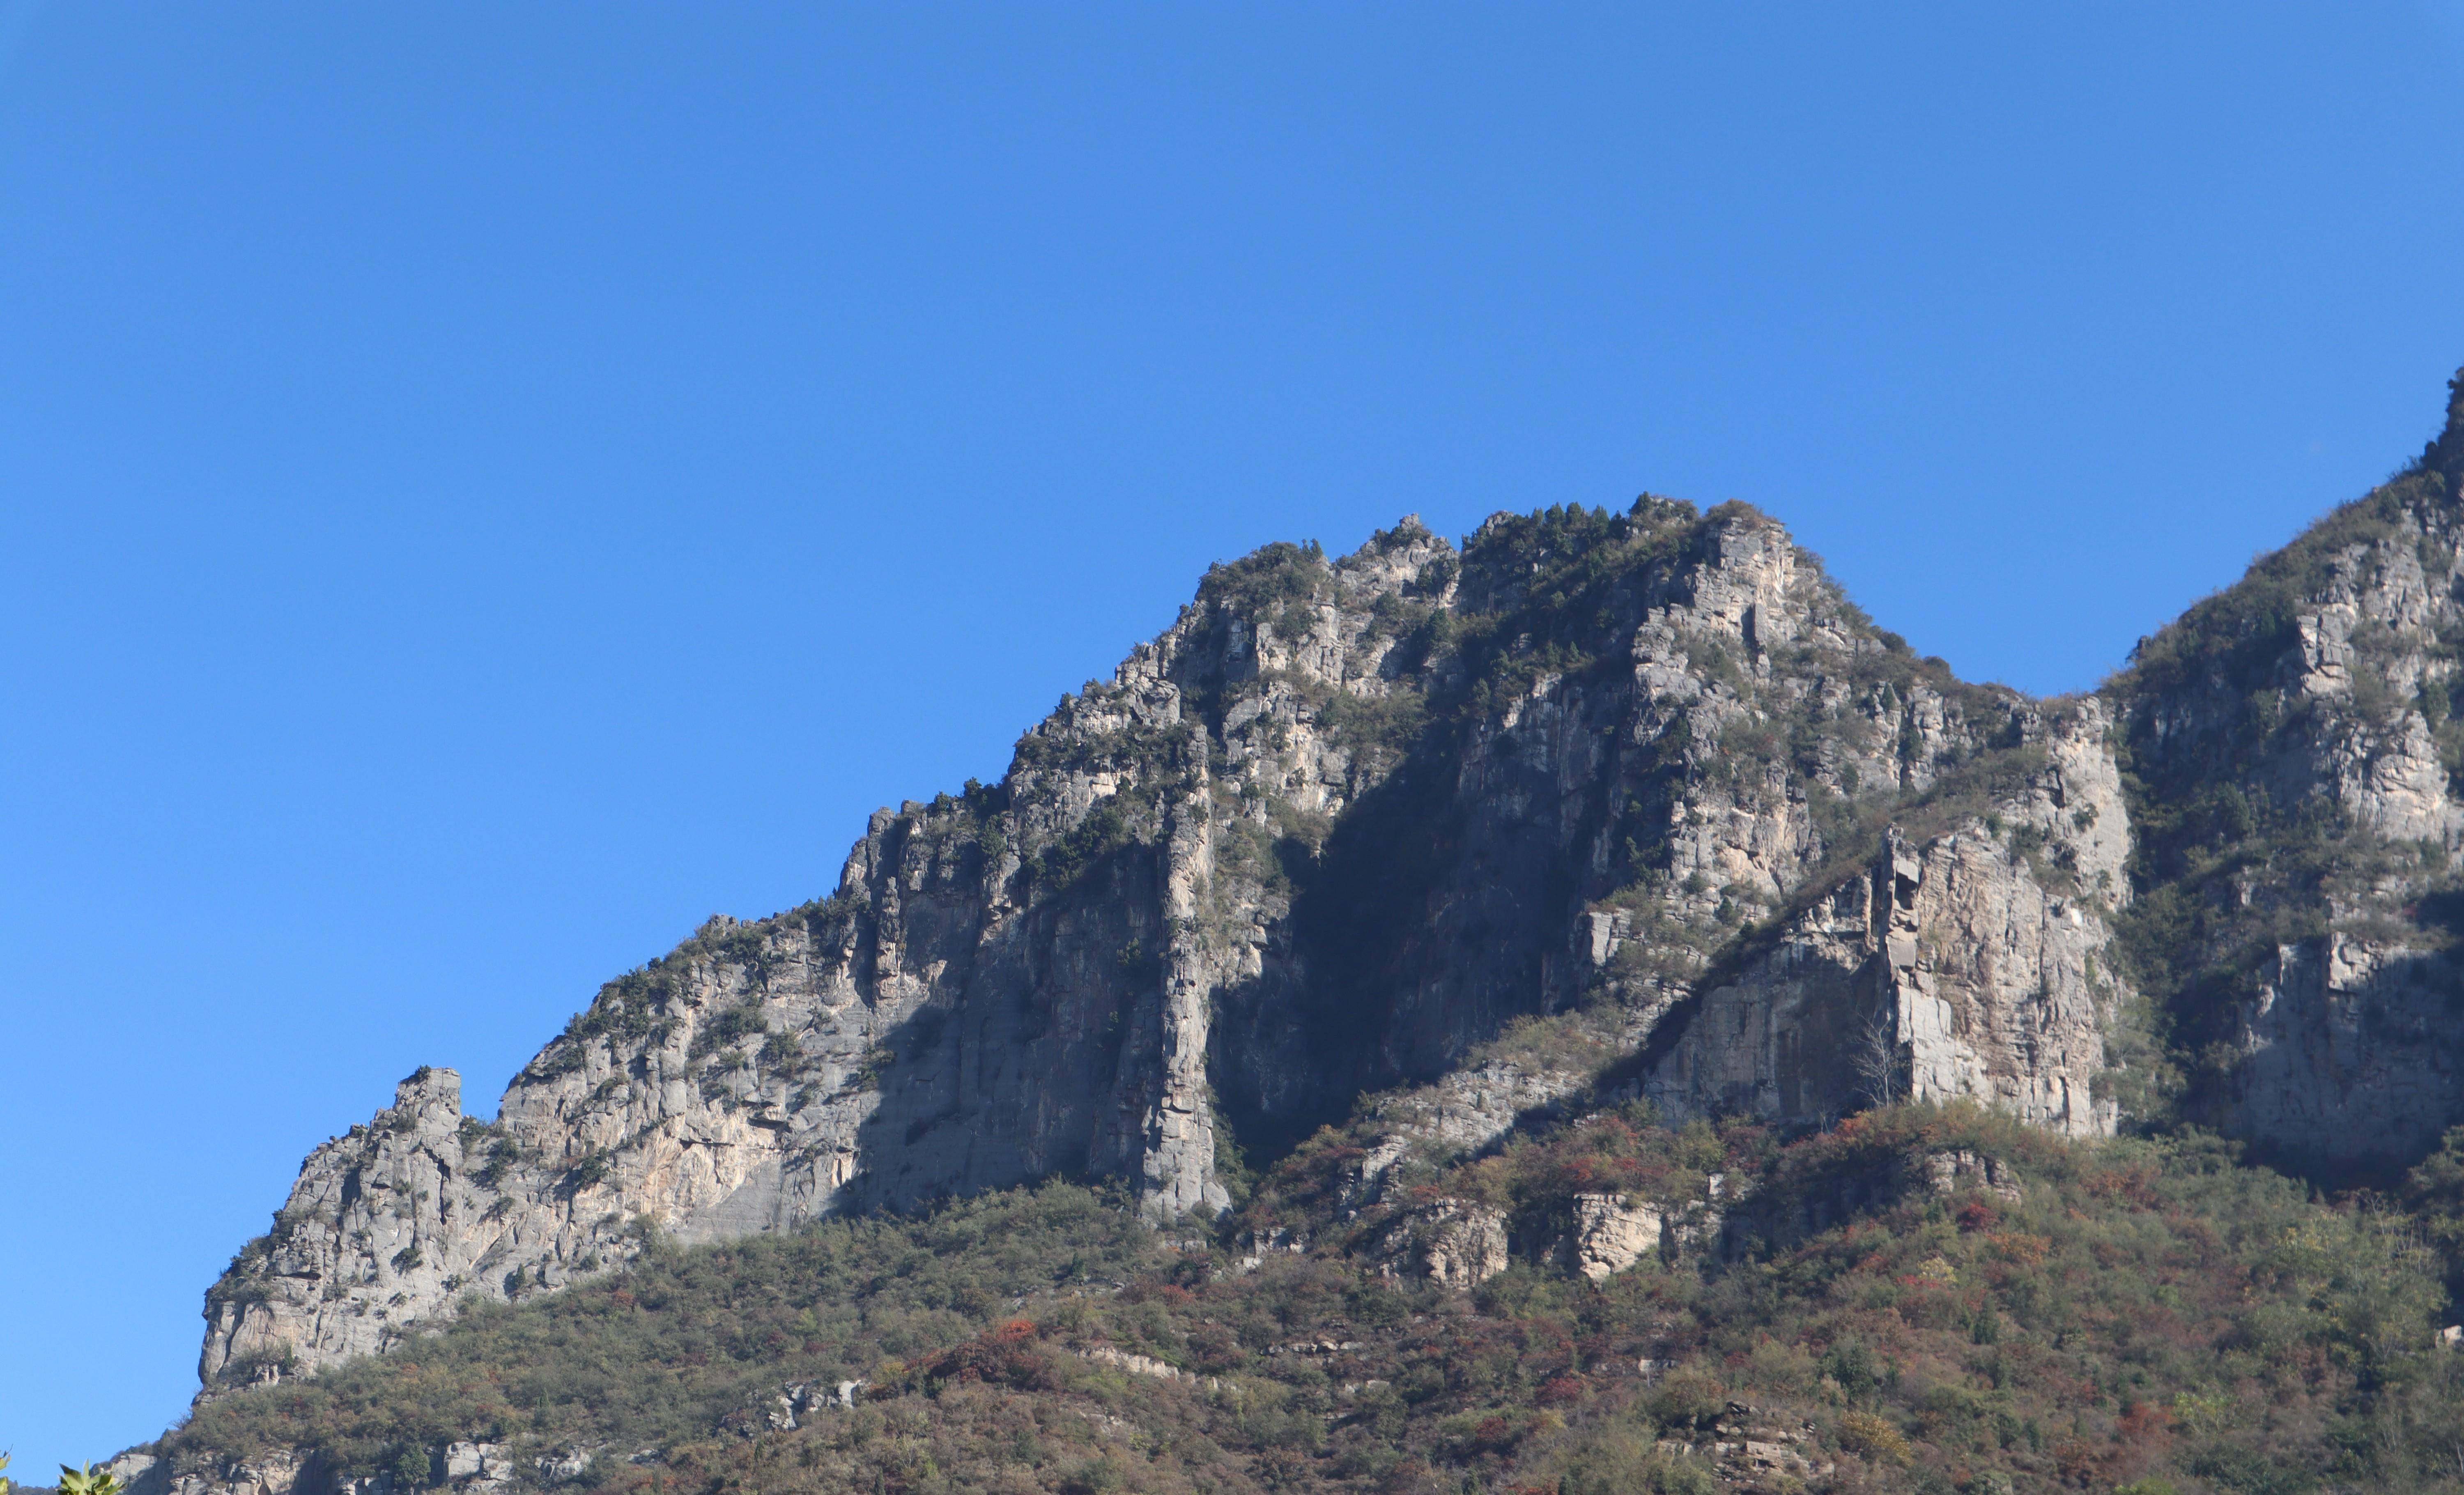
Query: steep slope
x=1439 y=845
x=1679 y=1031
x=2292 y=762
x=1633 y=776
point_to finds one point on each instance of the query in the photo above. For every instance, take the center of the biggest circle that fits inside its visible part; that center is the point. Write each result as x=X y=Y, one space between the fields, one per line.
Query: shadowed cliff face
x=1599 y=807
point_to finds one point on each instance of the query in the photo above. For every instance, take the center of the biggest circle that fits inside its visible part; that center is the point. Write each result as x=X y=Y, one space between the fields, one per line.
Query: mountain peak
x=1436 y=843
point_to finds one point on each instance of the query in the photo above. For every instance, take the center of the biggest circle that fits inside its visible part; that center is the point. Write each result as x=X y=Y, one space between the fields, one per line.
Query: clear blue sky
x=482 y=488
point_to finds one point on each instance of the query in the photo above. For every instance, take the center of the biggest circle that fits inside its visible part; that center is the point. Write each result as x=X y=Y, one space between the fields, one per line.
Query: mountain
x=1620 y=842
x=2294 y=766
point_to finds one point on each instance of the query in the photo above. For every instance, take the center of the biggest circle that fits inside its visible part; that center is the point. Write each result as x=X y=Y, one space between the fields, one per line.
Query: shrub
x=727 y=1027
x=1870 y=1436
x=2133 y=1280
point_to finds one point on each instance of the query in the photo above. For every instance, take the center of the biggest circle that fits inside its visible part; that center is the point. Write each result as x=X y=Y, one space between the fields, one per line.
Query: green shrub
x=727 y=1027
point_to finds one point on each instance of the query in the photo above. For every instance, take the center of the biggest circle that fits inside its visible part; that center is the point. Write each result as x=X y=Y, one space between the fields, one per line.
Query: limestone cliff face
x=1446 y=841
x=1337 y=828
x=2352 y=1049
x=1338 y=825
x=1974 y=963
x=1809 y=872
x=1010 y=984
x=389 y=1204
x=2292 y=746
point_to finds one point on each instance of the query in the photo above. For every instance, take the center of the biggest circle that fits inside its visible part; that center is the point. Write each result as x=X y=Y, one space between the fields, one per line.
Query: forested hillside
x=1919 y=1298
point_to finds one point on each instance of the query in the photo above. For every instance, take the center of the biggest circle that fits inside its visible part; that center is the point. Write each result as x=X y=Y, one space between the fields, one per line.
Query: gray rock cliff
x=1434 y=841
x=1966 y=964
x=2292 y=753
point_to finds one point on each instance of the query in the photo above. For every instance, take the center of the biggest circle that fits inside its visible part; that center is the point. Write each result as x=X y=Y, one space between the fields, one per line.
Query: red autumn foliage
x=1008 y=1356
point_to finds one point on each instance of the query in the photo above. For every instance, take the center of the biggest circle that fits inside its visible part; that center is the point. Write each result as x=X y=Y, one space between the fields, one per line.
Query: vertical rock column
x=1178 y=1161
x=1921 y=1028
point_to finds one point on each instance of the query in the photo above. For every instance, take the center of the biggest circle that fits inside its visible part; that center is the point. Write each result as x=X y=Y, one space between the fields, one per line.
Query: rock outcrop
x=1966 y=964
x=2351 y=1048
x=1340 y=826
x=1450 y=842
x=1458 y=1243
x=2293 y=749
x=1613 y=1233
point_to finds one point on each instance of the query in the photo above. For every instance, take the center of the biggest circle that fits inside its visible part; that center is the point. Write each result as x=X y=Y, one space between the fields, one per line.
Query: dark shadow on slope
x=1418 y=936
x=1368 y=903
x=2409 y=1016
x=982 y=1091
x=1730 y=965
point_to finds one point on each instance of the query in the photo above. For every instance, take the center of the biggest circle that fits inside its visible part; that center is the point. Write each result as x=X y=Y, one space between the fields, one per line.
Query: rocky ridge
x=1340 y=826
x=2290 y=755
x=1436 y=844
